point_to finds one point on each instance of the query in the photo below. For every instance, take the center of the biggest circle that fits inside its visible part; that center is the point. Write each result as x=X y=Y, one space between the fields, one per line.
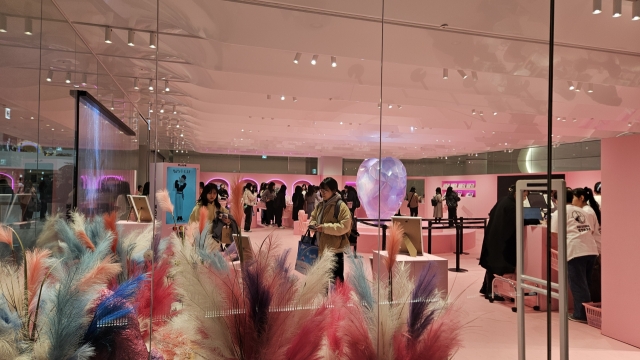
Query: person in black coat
x=298 y=202
x=280 y=203
x=498 y=256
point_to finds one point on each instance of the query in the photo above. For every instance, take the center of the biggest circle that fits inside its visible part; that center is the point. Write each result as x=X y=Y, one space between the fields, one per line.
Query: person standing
x=249 y=201
x=43 y=189
x=413 y=201
x=298 y=202
x=437 y=208
x=310 y=200
x=583 y=244
x=451 y=198
x=139 y=192
x=333 y=232
x=353 y=202
x=279 y=204
x=597 y=189
x=268 y=197
x=179 y=186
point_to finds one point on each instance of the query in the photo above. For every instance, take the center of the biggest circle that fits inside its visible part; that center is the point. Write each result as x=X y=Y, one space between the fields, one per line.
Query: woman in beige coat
x=332 y=232
x=437 y=210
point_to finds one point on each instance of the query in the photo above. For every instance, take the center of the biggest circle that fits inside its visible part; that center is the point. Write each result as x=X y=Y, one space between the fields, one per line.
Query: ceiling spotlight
x=463 y=74
x=174 y=110
x=445 y=73
x=481 y=113
x=84 y=79
x=571 y=87
x=28 y=26
x=597 y=6
x=107 y=35
x=3 y=23
x=282 y=97
x=181 y=135
x=473 y=111
x=558 y=118
x=629 y=124
x=589 y=87
x=68 y=78
x=564 y=118
x=162 y=109
x=334 y=63
x=268 y=97
x=112 y=106
x=50 y=76
x=474 y=76
x=635 y=11
x=151 y=85
x=314 y=60
x=495 y=113
x=578 y=86
x=153 y=40
x=617 y=8
x=295 y=99
x=166 y=86
x=136 y=84
x=130 y=37
x=399 y=106
x=296 y=59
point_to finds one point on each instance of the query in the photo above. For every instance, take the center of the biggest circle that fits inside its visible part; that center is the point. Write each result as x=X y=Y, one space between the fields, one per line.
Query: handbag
x=434 y=202
x=226 y=235
x=307 y=252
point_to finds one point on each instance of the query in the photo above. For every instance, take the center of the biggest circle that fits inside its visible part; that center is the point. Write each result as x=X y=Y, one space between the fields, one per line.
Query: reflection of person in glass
x=179 y=185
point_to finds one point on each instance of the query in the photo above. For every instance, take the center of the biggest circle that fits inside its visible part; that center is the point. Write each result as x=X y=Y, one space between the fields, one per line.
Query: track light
x=334 y=63
x=473 y=111
x=571 y=87
x=295 y=99
x=575 y=120
x=495 y=113
x=597 y=6
x=162 y=109
x=166 y=86
x=282 y=97
x=112 y=107
x=463 y=74
x=390 y=106
x=130 y=38
x=589 y=88
x=296 y=59
x=617 y=8
x=28 y=26
x=3 y=23
x=151 y=85
x=445 y=73
x=268 y=97
x=474 y=76
x=578 y=86
x=84 y=79
x=564 y=118
x=107 y=35
x=136 y=84
x=68 y=78
x=481 y=113
x=174 y=110
x=314 y=60
x=153 y=40
x=635 y=11
x=50 y=75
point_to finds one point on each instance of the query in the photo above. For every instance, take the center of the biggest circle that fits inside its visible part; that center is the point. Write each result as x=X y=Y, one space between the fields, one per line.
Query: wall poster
x=464 y=188
x=181 y=184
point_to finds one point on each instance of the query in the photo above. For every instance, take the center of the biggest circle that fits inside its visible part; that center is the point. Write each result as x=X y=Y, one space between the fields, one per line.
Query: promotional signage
x=182 y=184
x=464 y=188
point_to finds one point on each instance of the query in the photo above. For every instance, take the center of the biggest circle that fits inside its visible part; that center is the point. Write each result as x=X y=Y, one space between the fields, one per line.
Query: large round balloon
x=381 y=186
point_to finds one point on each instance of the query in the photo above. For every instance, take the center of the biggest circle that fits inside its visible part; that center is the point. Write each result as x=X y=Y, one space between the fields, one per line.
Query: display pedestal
x=416 y=264
x=127 y=227
x=300 y=227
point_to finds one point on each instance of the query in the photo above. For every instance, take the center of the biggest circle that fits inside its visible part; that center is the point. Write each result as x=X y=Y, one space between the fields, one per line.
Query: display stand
x=416 y=264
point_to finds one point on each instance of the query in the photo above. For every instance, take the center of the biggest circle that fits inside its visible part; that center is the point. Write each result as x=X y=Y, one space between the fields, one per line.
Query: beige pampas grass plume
x=164 y=201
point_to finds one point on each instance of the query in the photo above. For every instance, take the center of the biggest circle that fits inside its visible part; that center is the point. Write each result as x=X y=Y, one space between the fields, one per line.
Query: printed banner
x=464 y=188
x=181 y=184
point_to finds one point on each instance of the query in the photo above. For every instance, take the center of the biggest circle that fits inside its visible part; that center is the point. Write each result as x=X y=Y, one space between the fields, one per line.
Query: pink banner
x=464 y=188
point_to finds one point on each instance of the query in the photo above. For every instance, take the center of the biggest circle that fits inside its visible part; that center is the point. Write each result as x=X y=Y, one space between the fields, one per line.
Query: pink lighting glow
x=276 y=181
x=93 y=182
x=10 y=177
x=217 y=179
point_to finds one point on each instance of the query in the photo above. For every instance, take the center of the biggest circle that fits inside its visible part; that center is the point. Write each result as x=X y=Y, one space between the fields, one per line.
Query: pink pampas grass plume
x=396 y=236
x=305 y=347
x=204 y=215
x=237 y=211
x=6 y=236
x=164 y=201
x=101 y=274
x=84 y=239
x=37 y=270
x=110 y=224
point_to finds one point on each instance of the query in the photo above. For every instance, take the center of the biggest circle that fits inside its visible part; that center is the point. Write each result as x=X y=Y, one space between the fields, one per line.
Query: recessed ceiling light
x=597 y=6
x=282 y=97
x=296 y=59
x=617 y=8
x=495 y=113
x=390 y=106
x=314 y=60
x=28 y=26
x=462 y=74
x=130 y=38
x=334 y=63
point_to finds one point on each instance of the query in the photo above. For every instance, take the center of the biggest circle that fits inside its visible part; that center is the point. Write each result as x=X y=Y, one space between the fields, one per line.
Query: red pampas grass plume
x=164 y=201
x=102 y=274
x=37 y=268
x=110 y=224
x=204 y=215
x=84 y=239
x=237 y=190
x=6 y=236
x=396 y=236
x=305 y=347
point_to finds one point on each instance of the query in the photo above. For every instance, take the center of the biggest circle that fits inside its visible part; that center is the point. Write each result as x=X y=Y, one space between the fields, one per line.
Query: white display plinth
x=130 y=226
x=416 y=265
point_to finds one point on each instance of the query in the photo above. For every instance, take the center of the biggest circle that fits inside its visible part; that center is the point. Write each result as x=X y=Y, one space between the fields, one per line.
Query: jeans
x=270 y=212
x=453 y=215
x=414 y=212
x=579 y=271
x=248 y=217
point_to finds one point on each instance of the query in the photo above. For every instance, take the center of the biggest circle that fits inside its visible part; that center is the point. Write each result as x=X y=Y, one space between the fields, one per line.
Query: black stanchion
x=384 y=237
x=429 y=237
x=461 y=250
x=458 y=250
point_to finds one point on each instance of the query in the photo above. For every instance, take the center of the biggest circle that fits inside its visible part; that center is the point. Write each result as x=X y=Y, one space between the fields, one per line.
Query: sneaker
x=571 y=318
x=247 y=231
x=281 y=227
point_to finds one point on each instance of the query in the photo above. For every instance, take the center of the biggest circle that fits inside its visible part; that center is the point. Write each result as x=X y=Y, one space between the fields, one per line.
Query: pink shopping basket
x=594 y=314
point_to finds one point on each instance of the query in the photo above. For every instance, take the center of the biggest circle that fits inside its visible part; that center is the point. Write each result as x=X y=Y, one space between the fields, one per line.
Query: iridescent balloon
x=381 y=187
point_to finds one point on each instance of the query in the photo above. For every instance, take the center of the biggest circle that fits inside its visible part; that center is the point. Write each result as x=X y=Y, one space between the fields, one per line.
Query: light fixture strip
x=153 y=40
x=3 y=23
x=445 y=73
x=28 y=26
x=597 y=7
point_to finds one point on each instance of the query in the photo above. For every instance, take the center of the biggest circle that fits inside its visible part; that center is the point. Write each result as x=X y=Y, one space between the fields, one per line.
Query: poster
x=181 y=184
x=464 y=188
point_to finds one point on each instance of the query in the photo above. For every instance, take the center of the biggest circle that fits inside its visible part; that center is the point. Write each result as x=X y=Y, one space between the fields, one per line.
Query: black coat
x=280 y=202
x=499 y=245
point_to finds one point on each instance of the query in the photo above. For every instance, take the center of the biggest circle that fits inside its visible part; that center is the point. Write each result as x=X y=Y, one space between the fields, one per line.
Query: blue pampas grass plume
x=91 y=259
x=69 y=237
x=358 y=281
x=215 y=259
x=113 y=307
x=95 y=229
x=421 y=314
x=9 y=320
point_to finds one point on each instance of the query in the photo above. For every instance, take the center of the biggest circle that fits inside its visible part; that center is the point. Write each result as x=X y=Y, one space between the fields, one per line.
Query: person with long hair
x=583 y=246
x=310 y=200
x=298 y=202
x=263 y=212
x=269 y=197
x=217 y=214
x=145 y=189
x=451 y=198
x=249 y=201
x=332 y=232
x=123 y=207
x=437 y=209
x=597 y=190
x=413 y=202
x=279 y=204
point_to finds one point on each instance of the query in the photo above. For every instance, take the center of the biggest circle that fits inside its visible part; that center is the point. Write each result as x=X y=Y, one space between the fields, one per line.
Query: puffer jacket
x=335 y=232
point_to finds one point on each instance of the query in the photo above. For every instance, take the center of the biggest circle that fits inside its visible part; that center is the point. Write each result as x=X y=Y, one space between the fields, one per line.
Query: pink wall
x=288 y=179
x=620 y=242
x=583 y=178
